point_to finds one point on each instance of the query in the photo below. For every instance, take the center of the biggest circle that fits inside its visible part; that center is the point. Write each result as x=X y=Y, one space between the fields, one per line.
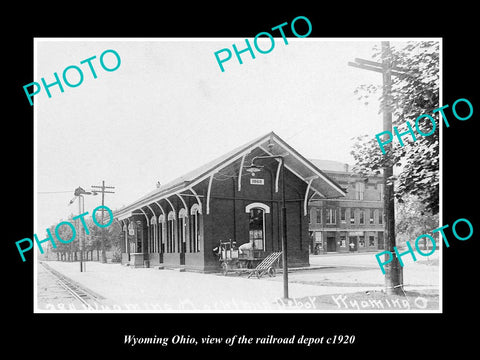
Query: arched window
x=256 y=224
x=265 y=207
x=171 y=232
x=139 y=237
x=132 y=243
x=161 y=233
x=182 y=230
x=195 y=213
x=153 y=234
x=125 y=238
x=131 y=228
x=359 y=190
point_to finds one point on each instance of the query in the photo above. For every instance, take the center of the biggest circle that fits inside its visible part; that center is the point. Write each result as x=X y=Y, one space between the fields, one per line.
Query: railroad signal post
x=102 y=189
x=79 y=192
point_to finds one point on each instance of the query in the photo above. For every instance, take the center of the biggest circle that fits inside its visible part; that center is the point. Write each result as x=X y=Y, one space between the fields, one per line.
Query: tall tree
x=413 y=220
x=112 y=236
x=414 y=92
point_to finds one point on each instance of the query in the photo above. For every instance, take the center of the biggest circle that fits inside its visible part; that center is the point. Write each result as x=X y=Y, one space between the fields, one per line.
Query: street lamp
x=79 y=192
x=253 y=169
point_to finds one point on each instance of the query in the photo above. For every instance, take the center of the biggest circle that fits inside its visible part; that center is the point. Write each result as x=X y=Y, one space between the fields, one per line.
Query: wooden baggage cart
x=251 y=261
x=234 y=260
x=267 y=266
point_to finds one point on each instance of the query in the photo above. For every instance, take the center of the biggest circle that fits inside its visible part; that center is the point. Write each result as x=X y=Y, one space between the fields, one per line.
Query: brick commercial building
x=350 y=224
x=179 y=224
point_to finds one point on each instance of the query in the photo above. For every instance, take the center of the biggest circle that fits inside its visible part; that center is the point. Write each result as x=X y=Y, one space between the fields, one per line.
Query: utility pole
x=103 y=191
x=393 y=270
x=255 y=168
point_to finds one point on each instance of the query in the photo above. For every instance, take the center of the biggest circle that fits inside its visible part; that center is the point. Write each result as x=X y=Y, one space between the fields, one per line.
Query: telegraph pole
x=393 y=270
x=103 y=191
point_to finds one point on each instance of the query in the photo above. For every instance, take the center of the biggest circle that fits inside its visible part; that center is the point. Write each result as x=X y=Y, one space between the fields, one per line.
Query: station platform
x=128 y=289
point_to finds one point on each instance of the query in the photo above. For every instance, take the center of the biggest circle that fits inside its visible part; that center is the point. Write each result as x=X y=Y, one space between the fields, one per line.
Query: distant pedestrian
x=352 y=246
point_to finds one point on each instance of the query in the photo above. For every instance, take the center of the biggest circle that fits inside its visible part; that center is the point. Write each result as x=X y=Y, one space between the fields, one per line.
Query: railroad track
x=87 y=298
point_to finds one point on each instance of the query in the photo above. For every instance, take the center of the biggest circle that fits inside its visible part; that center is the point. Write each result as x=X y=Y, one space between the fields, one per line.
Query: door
x=331 y=244
x=257 y=228
x=182 y=239
x=353 y=243
x=381 y=243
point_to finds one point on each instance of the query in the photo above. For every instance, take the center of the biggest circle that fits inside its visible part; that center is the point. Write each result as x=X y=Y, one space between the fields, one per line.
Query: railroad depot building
x=350 y=224
x=180 y=223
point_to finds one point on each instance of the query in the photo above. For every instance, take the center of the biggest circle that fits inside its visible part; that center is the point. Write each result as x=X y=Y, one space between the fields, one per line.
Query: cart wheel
x=224 y=269
x=272 y=272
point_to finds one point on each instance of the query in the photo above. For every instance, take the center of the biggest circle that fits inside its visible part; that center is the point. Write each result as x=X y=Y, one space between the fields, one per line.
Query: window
x=343 y=241
x=125 y=245
x=359 y=190
x=331 y=216
x=256 y=228
x=372 y=218
x=161 y=236
x=182 y=230
x=361 y=241
x=131 y=228
x=352 y=216
x=380 y=191
x=362 y=217
x=343 y=215
x=171 y=232
x=153 y=235
x=195 y=228
x=133 y=241
x=319 y=215
x=140 y=234
x=380 y=216
x=371 y=240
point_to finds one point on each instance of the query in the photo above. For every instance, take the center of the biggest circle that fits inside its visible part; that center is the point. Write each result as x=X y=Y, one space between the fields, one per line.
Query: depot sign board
x=256 y=181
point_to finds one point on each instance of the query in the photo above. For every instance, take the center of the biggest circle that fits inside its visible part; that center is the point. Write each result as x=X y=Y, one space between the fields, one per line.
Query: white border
x=291 y=40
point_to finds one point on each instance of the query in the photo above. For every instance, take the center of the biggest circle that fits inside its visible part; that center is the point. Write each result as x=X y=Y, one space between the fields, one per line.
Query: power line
x=54 y=192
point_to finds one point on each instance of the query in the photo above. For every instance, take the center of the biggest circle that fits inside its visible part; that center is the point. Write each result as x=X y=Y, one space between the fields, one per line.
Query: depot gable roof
x=269 y=143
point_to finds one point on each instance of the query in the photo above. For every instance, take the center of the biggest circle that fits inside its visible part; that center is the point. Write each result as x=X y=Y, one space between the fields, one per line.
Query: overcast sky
x=169 y=109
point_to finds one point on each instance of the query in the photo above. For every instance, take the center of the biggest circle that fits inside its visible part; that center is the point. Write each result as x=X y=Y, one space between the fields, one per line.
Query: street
x=362 y=270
